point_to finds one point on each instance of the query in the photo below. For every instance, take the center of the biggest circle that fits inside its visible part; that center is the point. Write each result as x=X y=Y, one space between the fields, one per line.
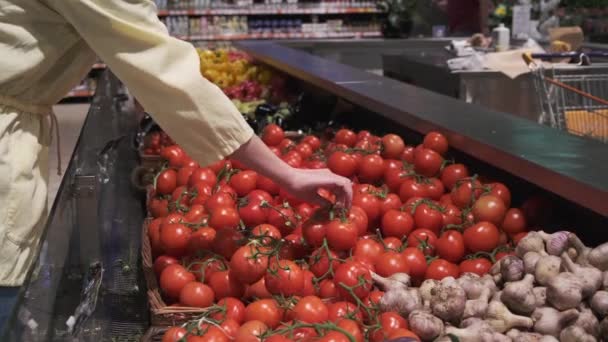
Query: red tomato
x=452 y=174
x=394 y=178
x=154 y=236
x=183 y=175
x=427 y=162
x=363 y=135
x=265 y=310
x=392 y=243
x=396 y=223
x=389 y=323
x=398 y=333
x=234 y=310
x=173 y=279
x=369 y=203
x=309 y=284
x=514 y=221
x=327 y=289
x=244 y=182
x=251 y=331
x=352 y=328
x=196 y=214
x=501 y=191
x=346 y=137
x=219 y=200
x=201 y=239
x=390 y=263
x=436 y=142
x=479 y=266
x=268 y=230
x=355 y=275
x=304 y=150
x=481 y=237
x=253 y=214
x=411 y=188
x=341 y=310
x=489 y=208
x=310 y=309
x=439 y=269
x=225 y=285
x=416 y=260
x=272 y=135
x=202 y=175
x=224 y=217
x=258 y=290
x=321 y=262
x=248 y=264
x=293 y=159
x=196 y=294
x=465 y=192
x=341 y=236
x=450 y=246
x=219 y=165
x=342 y=164
x=451 y=215
x=174 y=238
x=158 y=207
x=162 y=262
x=408 y=154
x=359 y=218
x=166 y=182
x=369 y=249
x=314 y=232
x=174 y=334
x=424 y=239
x=392 y=146
x=173 y=154
x=390 y=201
x=334 y=336
x=286 y=145
x=371 y=168
x=226 y=242
x=267 y=185
x=284 y=277
x=284 y=218
x=312 y=141
x=230 y=328
x=428 y=216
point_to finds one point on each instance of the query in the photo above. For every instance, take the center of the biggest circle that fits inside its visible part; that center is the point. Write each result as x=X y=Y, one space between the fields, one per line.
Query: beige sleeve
x=162 y=72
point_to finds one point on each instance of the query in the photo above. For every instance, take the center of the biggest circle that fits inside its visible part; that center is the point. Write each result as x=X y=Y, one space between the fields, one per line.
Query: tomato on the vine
x=272 y=135
x=423 y=239
x=173 y=279
x=341 y=310
x=224 y=284
x=251 y=331
x=341 y=235
x=397 y=223
x=359 y=218
x=197 y=295
x=249 y=263
x=244 y=182
x=390 y=263
x=174 y=334
x=265 y=310
x=202 y=239
x=312 y=141
x=224 y=217
x=452 y=174
x=166 y=182
x=284 y=277
x=388 y=202
x=342 y=164
x=428 y=215
x=162 y=262
x=346 y=137
x=174 y=238
x=353 y=278
x=368 y=248
x=501 y=191
x=450 y=246
x=465 y=192
x=481 y=237
x=436 y=142
x=479 y=266
x=392 y=146
x=514 y=221
x=412 y=188
x=489 y=208
x=219 y=200
x=202 y=175
x=439 y=269
x=322 y=261
x=369 y=203
x=234 y=309
x=183 y=175
x=310 y=309
x=416 y=260
x=227 y=241
x=427 y=162
x=371 y=168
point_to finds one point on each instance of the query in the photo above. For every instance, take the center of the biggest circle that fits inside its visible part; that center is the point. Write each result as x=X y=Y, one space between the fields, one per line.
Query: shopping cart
x=571 y=98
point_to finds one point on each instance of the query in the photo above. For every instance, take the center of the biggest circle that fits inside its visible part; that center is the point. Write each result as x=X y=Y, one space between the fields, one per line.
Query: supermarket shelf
x=299 y=35
x=271 y=10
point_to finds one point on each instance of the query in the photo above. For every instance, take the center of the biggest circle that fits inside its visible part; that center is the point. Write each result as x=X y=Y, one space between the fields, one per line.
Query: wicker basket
x=161 y=315
x=154 y=334
x=150 y=160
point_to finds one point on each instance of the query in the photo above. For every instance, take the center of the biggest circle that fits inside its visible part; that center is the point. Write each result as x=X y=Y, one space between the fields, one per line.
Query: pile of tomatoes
x=269 y=267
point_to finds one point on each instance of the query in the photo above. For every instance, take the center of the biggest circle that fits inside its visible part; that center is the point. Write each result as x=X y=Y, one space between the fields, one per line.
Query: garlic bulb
x=512 y=268
x=530 y=259
x=448 y=300
x=574 y=333
x=425 y=290
x=547 y=267
x=599 y=303
x=548 y=321
x=397 y=296
x=472 y=332
x=588 y=321
x=519 y=296
x=477 y=307
x=532 y=242
x=501 y=319
x=541 y=295
x=425 y=325
x=590 y=276
x=556 y=243
x=565 y=291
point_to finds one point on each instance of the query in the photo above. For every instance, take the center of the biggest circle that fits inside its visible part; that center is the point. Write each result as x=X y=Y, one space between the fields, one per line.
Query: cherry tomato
x=284 y=277
x=321 y=261
x=465 y=192
x=166 y=182
x=248 y=264
x=224 y=217
x=481 y=237
x=202 y=175
x=154 y=236
x=427 y=215
x=265 y=310
x=310 y=309
x=398 y=333
x=392 y=146
x=224 y=284
x=451 y=215
x=346 y=137
x=342 y=164
x=197 y=295
x=343 y=310
x=312 y=141
x=416 y=261
x=219 y=200
x=436 y=142
x=452 y=174
x=334 y=336
x=390 y=201
x=489 y=208
x=174 y=334
x=244 y=182
x=202 y=239
x=253 y=214
x=173 y=279
x=479 y=266
x=327 y=289
x=286 y=145
x=411 y=188
x=175 y=238
x=173 y=154
x=369 y=203
x=450 y=246
x=396 y=223
x=268 y=230
x=424 y=239
x=272 y=135
x=162 y=262
x=355 y=275
x=359 y=218
x=230 y=327
x=427 y=162
x=368 y=248
x=258 y=290
x=251 y=331
x=341 y=236
x=501 y=191
x=158 y=207
x=394 y=178
x=183 y=175
x=392 y=243
x=389 y=323
x=390 y=263
x=267 y=185
x=371 y=168
x=439 y=269
x=514 y=221
x=226 y=242
x=352 y=328
x=234 y=309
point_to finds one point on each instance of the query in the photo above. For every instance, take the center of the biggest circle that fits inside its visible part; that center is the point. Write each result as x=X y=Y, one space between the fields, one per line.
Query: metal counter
x=96 y=217
x=571 y=167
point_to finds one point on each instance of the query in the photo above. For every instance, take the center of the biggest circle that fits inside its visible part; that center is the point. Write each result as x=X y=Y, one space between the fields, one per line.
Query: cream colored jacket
x=47 y=47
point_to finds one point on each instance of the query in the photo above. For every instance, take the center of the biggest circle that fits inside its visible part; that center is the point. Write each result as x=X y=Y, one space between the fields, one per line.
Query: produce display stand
x=97 y=217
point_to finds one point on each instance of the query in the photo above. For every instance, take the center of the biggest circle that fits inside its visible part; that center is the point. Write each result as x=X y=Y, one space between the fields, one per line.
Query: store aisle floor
x=71 y=118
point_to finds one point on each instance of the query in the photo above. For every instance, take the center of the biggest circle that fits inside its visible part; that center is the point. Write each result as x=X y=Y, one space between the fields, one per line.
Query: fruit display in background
x=308 y=271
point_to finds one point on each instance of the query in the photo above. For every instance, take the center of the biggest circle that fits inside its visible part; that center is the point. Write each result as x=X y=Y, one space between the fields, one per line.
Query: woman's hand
x=300 y=183
x=305 y=185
